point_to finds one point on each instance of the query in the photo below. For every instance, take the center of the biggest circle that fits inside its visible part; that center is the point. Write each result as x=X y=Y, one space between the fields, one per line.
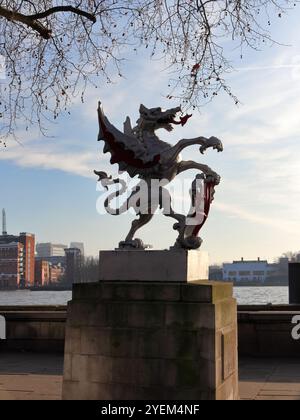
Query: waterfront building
x=27 y=240
x=47 y=273
x=56 y=273
x=243 y=271
x=42 y=273
x=11 y=265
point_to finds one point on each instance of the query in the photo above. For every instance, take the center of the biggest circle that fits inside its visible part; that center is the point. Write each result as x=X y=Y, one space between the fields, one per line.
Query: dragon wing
x=128 y=130
x=127 y=151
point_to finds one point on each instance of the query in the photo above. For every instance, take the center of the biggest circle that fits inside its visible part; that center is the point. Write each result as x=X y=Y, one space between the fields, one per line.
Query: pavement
x=269 y=379
x=27 y=376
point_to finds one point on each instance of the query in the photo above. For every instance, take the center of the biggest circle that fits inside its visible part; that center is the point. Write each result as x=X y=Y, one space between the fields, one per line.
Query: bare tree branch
x=28 y=21
x=55 y=49
x=31 y=20
x=58 y=9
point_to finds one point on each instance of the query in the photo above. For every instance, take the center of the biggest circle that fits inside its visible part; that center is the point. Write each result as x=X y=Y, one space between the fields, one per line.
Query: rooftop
x=250 y=262
x=9 y=245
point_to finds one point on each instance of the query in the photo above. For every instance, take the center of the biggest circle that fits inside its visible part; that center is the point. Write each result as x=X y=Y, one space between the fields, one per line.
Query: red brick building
x=47 y=273
x=11 y=265
x=42 y=273
x=27 y=240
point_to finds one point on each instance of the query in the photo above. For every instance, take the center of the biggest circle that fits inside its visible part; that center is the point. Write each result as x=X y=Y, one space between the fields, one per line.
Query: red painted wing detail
x=120 y=154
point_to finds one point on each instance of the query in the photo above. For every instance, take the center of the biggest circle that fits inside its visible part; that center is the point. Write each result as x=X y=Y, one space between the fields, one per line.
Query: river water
x=244 y=295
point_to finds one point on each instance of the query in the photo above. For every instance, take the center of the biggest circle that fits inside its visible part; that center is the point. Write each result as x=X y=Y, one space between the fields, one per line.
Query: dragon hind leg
x=166 y=205
x=137 y=224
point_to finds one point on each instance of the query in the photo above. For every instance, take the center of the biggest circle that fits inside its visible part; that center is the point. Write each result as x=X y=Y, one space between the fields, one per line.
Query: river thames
x=244 y=296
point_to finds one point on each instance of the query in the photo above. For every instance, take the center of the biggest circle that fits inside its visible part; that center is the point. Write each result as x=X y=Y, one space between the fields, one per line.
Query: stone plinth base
x=151 y=341
x=164 y=266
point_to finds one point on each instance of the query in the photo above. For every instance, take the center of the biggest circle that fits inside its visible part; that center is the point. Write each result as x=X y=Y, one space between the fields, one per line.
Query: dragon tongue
x=183 y=120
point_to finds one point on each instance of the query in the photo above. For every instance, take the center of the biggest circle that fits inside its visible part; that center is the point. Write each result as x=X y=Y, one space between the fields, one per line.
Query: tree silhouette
x=54 y=49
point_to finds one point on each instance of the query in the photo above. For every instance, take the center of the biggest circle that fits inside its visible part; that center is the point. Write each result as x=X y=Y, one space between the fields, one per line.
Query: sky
x=48 y=186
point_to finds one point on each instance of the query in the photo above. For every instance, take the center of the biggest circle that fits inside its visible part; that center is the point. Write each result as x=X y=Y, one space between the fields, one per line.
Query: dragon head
x=156 y=118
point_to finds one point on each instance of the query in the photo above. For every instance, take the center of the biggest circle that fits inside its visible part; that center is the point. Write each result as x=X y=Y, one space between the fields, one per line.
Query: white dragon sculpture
x=140 y=152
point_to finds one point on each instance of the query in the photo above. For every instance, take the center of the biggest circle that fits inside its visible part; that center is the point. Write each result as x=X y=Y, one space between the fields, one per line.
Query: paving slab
x=26 y=376
x=270 y=379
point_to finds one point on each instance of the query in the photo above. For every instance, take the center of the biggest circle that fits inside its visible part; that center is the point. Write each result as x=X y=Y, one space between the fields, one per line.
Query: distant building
x=25 y=276
x=216 y=273
x=42 y=273
x=78 y=245
x=73 y=265
x=47 y=273
x=11 y=265
x=4 y=228
x=243 y=271
x=28 y=242
x=60 y=261
x=56 y=273
x=46 y=250
x=280 y=273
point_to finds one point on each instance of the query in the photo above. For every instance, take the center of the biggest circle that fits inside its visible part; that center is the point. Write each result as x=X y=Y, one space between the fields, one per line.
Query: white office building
x=47 y=250
x=247 y=271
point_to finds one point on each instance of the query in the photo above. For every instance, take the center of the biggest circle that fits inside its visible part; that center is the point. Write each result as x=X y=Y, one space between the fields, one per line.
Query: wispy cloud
x=284 y=225
x=272 y=67
x=42 y=153
x=74 y=163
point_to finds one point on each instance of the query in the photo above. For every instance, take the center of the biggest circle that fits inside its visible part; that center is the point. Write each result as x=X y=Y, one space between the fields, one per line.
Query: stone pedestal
x=151 y=341
x=163 y=266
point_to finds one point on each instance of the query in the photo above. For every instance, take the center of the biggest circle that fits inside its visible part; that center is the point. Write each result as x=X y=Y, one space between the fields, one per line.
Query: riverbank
x=244 y=295
x=51 y=289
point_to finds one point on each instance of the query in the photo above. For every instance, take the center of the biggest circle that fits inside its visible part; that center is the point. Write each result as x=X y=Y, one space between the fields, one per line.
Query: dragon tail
x=105 y=182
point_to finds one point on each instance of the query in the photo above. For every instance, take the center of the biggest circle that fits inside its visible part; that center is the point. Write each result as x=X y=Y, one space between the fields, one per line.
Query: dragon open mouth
x=183 y=120
x=172 y=120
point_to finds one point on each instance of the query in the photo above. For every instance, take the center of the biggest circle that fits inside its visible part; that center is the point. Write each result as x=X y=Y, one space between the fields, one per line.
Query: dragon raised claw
x=140 y=152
